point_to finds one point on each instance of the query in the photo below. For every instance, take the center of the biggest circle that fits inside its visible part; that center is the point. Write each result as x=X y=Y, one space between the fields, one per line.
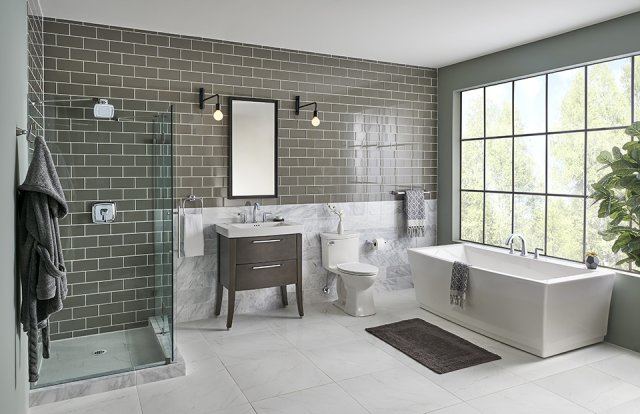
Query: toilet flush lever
x=331 y=243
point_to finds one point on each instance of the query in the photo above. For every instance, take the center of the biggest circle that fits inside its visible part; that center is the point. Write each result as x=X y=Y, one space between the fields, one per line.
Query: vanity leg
x=299 y=298
x=218 y=298
x=232 y=305
x=283 y=292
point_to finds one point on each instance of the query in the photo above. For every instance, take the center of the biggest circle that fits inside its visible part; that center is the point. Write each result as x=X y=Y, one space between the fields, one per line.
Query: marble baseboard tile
x=54 y=393
x=162 y=372
x=196 y=277
x=81 y=388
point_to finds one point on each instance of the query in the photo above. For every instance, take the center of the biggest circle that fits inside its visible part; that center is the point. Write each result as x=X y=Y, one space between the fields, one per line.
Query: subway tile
x=140 y=71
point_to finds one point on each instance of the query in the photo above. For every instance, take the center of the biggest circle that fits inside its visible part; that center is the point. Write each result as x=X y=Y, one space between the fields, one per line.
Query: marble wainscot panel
x=196 y=276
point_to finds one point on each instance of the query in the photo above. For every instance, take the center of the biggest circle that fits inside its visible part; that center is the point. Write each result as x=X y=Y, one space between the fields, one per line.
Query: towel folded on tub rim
x=459 y=284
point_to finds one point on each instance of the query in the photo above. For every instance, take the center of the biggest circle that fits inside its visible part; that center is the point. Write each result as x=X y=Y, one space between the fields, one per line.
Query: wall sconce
x=217 y=114
x=315 y=121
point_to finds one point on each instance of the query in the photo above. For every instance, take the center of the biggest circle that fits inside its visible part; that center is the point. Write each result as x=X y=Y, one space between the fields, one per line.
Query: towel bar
x=192 y=199
x=399 y=193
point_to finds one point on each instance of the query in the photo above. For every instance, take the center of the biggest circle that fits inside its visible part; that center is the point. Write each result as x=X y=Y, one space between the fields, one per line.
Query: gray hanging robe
x=43 y=276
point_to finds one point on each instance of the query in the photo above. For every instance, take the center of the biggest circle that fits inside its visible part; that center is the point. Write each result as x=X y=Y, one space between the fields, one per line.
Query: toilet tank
x=339 y=248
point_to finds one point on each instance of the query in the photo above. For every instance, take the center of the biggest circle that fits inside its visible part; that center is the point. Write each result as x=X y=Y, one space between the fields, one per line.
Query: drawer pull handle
x=266 y=241
x=265 y=267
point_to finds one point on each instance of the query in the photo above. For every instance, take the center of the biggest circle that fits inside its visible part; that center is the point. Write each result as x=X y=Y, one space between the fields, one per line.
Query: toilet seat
x=357 y=269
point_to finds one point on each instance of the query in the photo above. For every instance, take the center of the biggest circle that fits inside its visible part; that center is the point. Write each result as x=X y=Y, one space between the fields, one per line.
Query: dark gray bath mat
x=433 y=347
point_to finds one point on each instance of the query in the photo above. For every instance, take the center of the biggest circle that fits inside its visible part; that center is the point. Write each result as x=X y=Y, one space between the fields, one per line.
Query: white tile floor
x=276 y=363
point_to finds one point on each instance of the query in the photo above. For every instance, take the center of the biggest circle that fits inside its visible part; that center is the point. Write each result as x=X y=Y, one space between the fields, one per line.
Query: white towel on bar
x=193 y=235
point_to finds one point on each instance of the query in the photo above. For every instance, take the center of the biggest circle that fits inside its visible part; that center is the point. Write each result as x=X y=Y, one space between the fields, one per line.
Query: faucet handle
x=536 y=252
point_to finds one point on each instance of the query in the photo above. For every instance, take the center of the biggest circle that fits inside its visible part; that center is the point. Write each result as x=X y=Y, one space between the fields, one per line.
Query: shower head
x=103 y=110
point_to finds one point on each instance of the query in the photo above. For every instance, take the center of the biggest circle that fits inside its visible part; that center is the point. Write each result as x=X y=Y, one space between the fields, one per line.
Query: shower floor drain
x=100 y=352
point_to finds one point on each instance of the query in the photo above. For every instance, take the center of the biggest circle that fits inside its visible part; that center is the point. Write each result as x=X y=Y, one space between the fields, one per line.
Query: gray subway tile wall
x=378 y=133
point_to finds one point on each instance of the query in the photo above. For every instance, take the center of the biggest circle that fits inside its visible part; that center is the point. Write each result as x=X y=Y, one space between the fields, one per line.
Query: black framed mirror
x=253 y=148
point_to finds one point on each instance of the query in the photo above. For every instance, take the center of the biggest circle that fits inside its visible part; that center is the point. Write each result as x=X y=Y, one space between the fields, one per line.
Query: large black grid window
x=528 y=156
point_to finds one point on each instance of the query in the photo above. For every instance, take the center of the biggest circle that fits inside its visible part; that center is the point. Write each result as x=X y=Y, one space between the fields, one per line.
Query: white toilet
x=355 y=279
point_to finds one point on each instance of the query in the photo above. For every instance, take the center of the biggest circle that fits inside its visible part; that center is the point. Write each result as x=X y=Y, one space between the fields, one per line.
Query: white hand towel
x=193 y=235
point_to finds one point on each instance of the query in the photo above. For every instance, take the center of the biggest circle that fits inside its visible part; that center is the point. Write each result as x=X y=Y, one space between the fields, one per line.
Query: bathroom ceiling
x=432 y=33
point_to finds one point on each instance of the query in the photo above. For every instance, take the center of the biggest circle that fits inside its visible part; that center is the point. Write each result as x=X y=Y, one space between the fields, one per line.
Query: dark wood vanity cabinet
x=259 y=262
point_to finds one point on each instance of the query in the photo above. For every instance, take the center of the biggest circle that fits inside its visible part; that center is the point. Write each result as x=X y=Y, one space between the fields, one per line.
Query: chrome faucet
x=256 y=207
x=509 y=243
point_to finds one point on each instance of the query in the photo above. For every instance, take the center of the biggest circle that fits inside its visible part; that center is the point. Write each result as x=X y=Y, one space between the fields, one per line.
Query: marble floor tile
x=526 y=399
x=397 y=391
x=112 y=402
x=276 y=374
x=462 y=408
x=197 y=350
x=590 y=388
x=472 y=382
x=351 y=359
x=630 y=407
x=532 y=367
x=274 y=362
x=203 y=391
x=253 y=346
x=237 y=409
x=318 y=334
x=625 y=366
x=318 y=400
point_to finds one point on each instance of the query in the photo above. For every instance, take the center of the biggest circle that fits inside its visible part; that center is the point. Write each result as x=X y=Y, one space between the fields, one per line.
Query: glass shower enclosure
x=118 y=315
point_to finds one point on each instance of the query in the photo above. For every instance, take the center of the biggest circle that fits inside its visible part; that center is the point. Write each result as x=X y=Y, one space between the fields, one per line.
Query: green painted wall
x=601 y=41
x=13 y=112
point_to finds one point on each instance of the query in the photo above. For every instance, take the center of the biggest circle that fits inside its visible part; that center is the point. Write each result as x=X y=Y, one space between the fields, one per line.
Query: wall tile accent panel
x=378 y=133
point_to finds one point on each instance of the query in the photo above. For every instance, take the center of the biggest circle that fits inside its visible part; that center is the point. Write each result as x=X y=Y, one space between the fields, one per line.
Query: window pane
x=529 y=110
x=595 y=240
x=636 y=80
x=471 y=216
x=498 y=110
x=498 y=218
x=566 y=100
x=566 y=163
x=564 y=227
x=528 y=163
x=472 y=168
x=609 y=94
x=472 y=113
x=529 y=219
x=598 y=141
x=498 y=168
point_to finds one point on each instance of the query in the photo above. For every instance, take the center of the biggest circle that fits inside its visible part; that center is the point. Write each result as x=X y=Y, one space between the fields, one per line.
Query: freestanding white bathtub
x=542 y=306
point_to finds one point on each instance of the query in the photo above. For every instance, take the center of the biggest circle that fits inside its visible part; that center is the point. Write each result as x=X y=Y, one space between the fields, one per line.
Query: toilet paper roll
x=379 y=244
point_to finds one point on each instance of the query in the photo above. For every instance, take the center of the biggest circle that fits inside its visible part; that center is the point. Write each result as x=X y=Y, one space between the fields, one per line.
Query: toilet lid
x=358 y=268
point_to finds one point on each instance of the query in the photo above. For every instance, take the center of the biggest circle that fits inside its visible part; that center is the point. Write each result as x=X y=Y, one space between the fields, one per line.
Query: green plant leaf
x=605 y=157
x=633 y=129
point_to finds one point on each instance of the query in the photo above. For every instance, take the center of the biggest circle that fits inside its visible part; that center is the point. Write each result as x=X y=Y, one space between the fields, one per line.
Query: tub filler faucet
x=509 y=243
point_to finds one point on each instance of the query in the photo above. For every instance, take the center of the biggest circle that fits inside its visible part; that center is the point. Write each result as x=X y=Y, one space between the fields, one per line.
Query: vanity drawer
x=268 y=274
x=263 y=249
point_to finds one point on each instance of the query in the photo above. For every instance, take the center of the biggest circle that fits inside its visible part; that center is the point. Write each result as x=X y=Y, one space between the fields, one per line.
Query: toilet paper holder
x=375 y=244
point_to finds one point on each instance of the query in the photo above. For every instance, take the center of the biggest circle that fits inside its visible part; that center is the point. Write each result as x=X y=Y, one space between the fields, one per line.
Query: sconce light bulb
x=315 y=121
x=217 y=114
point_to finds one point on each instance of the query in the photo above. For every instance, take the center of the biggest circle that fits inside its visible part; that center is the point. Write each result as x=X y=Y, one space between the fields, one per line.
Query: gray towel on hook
x=414 y=208
x=41 y=203
x=459 y=284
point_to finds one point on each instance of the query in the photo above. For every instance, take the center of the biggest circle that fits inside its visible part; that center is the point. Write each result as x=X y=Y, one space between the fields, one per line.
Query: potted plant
x=591 y=260
x=618 y=193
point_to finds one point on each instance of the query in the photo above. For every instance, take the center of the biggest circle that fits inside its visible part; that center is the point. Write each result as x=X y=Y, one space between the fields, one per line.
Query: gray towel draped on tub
x=414 y=208
x=43 y=277
x=459 y=284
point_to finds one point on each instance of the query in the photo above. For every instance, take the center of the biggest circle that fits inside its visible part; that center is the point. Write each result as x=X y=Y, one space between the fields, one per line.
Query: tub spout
x=510 y=240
